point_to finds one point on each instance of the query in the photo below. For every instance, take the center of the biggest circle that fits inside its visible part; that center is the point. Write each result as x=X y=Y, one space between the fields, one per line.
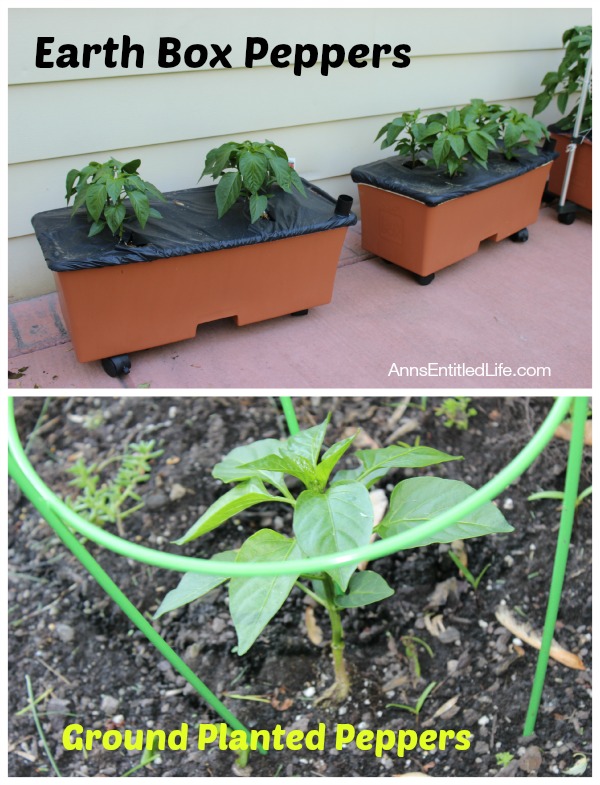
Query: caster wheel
x=424 y=280
x=520 y=237
x=117 y=366
x=300 y=313
x=566 y=218
x=548 y=197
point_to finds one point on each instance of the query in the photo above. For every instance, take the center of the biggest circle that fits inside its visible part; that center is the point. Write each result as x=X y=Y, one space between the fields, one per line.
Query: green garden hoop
x=63 y=521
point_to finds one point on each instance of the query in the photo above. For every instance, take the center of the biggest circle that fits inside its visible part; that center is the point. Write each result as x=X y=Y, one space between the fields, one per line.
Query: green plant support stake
x=290 y=414
x=560 y=559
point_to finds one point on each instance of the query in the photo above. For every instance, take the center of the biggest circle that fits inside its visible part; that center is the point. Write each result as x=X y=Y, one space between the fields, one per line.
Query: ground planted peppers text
x=345 y=736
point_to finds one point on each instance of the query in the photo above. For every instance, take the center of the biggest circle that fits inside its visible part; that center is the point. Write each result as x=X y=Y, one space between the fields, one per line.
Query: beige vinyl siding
x=63 y=118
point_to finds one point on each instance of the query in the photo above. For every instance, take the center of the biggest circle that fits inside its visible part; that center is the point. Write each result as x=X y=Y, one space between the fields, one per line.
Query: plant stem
x=311 y=593
x=341 y=686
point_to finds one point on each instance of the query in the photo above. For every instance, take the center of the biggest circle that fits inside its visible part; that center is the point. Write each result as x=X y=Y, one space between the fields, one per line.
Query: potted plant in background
x=262 y=243
x=472 y=174
x=561 y=84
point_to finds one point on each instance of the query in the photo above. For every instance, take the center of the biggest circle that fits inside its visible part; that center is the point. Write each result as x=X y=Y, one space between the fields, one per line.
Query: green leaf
x=82 y=189
x=72 y=175
x=193 y=585
x=377 y=463
x=308 y=443
x=297 y=182
x=96 y=228
x=331 y=457
x=91 y=168
x=348 y=475
x=234 y=466
x=114 y=188
x=258 y=205
x=380 y=133
x=95 y=200
x=298 y=456
x=279 y=151
x=132 y=166
x=281 y=171
x=253 y=168
x=227 y=192
x=340 y=519
x=287 y=463
x=254 y=601
x=512 y=134
x=134 y=183
x=440 y=150
x=454 y=120
x=392 y=131
x=153 y=191
x=364 y=588
x=114 y=217
x=541 y=102
x=141 y=206
x=457 y=143
x=561 y=101
x=217 y=159
x=421 y=499
x=478 y=145
x=453 y=166
x=432 y=129
x=243 y=496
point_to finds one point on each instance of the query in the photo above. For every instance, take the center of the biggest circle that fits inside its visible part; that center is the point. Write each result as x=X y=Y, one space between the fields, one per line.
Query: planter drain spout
x=343 y=205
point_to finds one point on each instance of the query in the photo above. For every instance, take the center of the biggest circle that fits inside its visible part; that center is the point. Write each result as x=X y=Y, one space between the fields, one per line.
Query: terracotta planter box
x=423 y=221
x=580 y=182
x=190 y=268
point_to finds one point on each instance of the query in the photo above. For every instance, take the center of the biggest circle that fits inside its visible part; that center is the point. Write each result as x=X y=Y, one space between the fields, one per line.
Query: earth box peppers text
x=258 y=51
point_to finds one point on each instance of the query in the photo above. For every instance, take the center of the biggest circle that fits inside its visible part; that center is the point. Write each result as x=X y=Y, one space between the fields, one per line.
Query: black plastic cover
x=433 y=186
x=189 y=225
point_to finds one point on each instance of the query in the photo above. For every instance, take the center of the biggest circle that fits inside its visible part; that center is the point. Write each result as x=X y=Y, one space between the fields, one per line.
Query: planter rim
x=433 y=187
x=189 y=226
x=556 y=131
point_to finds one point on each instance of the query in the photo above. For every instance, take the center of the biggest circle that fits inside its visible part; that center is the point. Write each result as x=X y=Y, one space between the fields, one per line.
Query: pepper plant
x=102 y=190
x=257 y=166
x=411 y=133
x=467 y=135
x=568 y=79
x=331 y=513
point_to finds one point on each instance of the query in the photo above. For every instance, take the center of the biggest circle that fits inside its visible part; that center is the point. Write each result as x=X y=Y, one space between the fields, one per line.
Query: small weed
x=416 y=709
x=106 y=502
x=503 y=758
x=149 y=755
x=468 y=575
x=38 y=725
x=410 y=643
x=422 y=406
x=455 y=412
x=560 y=495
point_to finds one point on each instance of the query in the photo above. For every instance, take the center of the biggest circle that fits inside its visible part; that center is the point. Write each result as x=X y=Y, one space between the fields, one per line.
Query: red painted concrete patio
x=520 y=305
